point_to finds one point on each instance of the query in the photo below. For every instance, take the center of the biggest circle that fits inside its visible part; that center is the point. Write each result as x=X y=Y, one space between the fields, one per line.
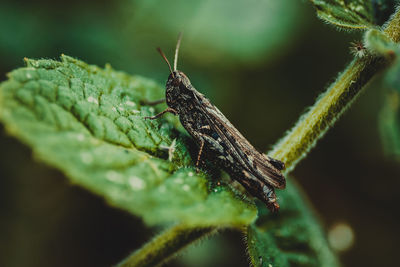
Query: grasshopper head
x=177 y=79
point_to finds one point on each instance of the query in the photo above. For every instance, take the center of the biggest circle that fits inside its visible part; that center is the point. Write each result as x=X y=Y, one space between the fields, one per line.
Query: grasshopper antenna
x=178 y=44
x=166 y=60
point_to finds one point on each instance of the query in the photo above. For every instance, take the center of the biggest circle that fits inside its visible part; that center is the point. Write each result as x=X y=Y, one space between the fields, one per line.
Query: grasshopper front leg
x=152 y=103
x=170 y=110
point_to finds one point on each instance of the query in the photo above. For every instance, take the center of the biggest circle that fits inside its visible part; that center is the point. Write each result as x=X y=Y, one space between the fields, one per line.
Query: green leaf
x=292 y=238
x=389 y=124
x=389 y=117
x=379 y=43
x=351 y=14
x=88 y=122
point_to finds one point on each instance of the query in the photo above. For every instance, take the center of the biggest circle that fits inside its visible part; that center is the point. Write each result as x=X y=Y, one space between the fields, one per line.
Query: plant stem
x=392 y=29
x=331 y=104
x=329 y=107
x=290 y=149
x=164 y=246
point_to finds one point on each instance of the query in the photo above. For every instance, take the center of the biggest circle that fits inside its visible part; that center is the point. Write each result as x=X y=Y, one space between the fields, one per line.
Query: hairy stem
x=392 y=28
x=331 y=104
x=290 y=149
x=164 y=246
x=323 y=114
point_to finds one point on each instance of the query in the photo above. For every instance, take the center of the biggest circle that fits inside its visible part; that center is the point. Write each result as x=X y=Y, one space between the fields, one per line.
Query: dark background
x=261 y=64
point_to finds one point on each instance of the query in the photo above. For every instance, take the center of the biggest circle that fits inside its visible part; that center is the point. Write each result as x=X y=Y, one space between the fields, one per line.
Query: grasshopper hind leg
x=270 y=195
x=259 y=189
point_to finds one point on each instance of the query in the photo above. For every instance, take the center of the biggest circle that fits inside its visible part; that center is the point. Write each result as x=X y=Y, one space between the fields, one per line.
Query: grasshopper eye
x=176 y=81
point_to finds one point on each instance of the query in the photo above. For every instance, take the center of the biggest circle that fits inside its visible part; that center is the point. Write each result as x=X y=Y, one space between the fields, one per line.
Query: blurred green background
x=262 y=62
